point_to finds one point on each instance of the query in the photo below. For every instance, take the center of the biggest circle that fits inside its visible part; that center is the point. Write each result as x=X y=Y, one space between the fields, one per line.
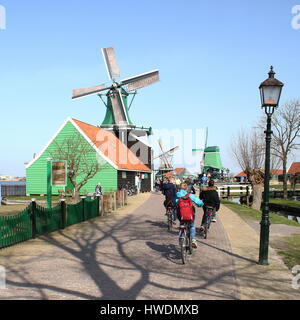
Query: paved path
x=255 y=281
x=125 y=256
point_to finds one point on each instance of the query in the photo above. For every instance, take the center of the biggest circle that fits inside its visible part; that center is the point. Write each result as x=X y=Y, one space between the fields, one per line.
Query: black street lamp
x=270 y=92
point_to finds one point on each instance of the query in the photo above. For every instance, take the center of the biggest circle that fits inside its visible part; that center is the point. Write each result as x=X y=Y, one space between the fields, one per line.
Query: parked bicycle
x=185 y=240
x=131 y=190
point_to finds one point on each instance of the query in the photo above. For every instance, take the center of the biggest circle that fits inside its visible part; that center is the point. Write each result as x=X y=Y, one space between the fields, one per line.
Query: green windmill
x=117 y=113
x=211 y=160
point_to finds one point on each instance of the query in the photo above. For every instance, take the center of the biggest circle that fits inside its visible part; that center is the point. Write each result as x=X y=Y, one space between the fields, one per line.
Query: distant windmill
x=166 y=158
x=211 y=158
x=117 y=107
x=202 y=163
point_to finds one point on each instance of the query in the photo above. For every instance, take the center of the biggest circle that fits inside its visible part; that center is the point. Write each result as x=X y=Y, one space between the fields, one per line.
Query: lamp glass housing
x=270 y=95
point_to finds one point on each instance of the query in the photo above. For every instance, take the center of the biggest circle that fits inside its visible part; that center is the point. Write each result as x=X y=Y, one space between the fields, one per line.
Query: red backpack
x=186 y=208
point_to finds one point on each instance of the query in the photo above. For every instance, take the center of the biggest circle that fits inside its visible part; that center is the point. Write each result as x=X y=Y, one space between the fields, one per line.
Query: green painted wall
x=36 y=174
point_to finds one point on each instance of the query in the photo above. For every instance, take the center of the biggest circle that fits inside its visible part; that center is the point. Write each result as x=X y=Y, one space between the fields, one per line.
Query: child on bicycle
x=188 y=199
x=211 y=201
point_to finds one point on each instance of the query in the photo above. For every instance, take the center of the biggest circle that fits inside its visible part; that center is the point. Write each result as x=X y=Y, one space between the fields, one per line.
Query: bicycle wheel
x=183 y=247
x=190 y=247
x=170 y=221
x=205 y=231
x=207 y=226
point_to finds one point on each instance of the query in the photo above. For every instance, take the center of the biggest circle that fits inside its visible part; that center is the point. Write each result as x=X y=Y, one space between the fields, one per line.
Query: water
x=235 y=200
x=288 y=216
x=10 y=183
x=280 y=213
x=13 y=182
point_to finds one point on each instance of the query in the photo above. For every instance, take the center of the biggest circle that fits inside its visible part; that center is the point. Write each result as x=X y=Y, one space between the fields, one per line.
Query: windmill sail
x=166 y=157
x=117 y=110
x=141 y=81
x=78 y=93
x=111 y=63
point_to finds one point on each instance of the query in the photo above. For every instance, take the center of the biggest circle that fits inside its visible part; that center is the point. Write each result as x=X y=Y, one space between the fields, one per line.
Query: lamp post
x=270 y=92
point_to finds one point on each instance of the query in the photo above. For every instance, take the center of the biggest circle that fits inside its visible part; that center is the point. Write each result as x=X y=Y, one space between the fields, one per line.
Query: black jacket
x=210 y=197
x=169 y=190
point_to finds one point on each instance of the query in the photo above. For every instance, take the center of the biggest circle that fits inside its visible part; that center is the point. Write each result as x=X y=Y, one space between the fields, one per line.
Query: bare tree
x=248 y=150
x=81 y=159
x=286 y=134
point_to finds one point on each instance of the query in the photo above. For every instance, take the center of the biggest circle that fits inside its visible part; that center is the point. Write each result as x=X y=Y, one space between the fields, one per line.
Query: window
x=124 y=175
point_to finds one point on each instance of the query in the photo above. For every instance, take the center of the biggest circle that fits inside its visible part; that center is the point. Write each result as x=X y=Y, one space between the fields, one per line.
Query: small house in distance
x=118 y=164
x=276 y=177
x=294 y=172
x=180 y=173
x=241 y=177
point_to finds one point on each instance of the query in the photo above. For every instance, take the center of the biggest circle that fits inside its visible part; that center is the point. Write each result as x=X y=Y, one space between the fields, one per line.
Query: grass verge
x=31 y=197
x=247 y=213
x=288 y=248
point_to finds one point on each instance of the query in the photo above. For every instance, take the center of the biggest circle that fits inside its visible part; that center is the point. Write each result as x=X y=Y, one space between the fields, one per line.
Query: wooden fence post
x=83 y=213
x=115 y=200
x=247 y=195
x=102 y=205
x=125 y=197
x=98 y=197
x=33 y=218
x=63 y=213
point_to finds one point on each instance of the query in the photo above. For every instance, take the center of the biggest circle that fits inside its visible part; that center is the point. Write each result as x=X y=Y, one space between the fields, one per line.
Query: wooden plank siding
x=36 y=182
x=130 y=176
x=146 y=183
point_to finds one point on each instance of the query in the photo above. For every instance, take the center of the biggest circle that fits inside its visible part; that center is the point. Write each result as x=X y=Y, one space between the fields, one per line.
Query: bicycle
x=169 y=213
x=170 y=218
x=185 y=240
x=209 y=211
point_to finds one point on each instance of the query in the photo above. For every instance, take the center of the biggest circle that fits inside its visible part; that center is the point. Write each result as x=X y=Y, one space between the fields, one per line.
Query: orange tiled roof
x=112 y=147
x=241 y=174
x=276 y=171
x=294 y=168
x=177 y=170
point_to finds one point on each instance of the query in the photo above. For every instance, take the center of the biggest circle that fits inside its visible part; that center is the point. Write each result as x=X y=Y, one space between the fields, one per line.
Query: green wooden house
x=118 y=163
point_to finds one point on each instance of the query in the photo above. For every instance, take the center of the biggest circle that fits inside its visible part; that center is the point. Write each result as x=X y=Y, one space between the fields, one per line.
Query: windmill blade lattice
x=116 y=93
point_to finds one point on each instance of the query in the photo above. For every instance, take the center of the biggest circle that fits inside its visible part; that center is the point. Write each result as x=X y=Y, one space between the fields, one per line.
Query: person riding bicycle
x=184 y=195
x=211 y=201
x=190 y=184
x=169 y=190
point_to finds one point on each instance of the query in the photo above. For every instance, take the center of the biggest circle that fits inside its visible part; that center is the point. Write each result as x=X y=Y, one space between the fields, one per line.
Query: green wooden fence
x=16 y=229
x=36 y=220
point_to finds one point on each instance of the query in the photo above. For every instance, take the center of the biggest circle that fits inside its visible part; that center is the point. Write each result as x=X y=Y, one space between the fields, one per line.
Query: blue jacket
x=196 y=200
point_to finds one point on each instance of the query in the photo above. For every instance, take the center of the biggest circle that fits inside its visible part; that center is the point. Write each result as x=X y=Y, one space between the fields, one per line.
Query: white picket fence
x=231 y=190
